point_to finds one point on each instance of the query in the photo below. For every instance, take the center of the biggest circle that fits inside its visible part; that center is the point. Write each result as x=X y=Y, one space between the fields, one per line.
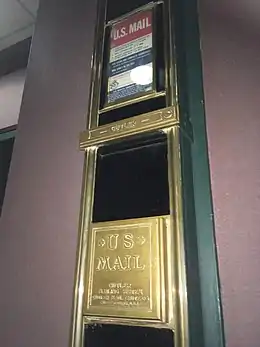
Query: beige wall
x=231 y=61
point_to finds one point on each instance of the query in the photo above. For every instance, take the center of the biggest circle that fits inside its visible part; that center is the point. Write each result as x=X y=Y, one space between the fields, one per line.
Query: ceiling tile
x=16 y=37
x=12 y=17
x=31 y=5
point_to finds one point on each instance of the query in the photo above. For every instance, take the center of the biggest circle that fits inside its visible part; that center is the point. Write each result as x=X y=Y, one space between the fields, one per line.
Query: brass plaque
x=125 y=269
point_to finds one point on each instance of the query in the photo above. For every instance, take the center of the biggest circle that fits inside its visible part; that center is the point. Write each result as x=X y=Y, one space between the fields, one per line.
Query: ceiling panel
x=17 y=36
x=17 y=18
x=31 y=5
x=12 y=18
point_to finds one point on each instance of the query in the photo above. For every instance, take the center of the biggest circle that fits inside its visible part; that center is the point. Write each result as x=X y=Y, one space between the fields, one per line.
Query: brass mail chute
x=131 y=268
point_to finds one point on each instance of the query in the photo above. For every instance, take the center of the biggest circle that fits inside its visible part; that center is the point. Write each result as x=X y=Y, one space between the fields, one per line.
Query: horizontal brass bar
x=130 y=100
x=88 y=320
x=155 y=120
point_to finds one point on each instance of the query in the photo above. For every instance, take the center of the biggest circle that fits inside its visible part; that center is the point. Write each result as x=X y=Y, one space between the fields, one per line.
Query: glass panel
x=117 y=8
x=132 y=110
x=132 y=180
x=130 y=63
x=133 y=49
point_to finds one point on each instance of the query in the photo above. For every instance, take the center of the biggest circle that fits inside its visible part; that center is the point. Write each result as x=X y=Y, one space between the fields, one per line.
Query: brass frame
x=84 y=224
x=159 y=233
x=166 y=120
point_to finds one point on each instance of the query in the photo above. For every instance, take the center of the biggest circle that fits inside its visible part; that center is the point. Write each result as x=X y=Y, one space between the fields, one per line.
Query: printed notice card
x=130 y=67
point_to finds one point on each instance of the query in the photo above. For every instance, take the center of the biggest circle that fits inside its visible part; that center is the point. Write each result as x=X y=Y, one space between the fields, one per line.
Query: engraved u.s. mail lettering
x=125 y=262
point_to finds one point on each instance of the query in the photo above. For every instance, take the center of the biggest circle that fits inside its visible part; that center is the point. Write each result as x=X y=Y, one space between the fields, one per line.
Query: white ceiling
x=11 y=91
x=17 y=18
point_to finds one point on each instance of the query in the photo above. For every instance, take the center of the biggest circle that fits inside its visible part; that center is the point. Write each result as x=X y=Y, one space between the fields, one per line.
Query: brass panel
x=150 y=121
x=126 y=275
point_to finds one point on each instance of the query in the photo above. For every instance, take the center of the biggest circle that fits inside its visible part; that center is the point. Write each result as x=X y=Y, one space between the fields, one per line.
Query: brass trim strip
x=170 y=54
x=155 y=120
x=96 y=65
x=84 y=223
x=125 y=321
x=172 y=317
x=176 y=210
x=142 y=96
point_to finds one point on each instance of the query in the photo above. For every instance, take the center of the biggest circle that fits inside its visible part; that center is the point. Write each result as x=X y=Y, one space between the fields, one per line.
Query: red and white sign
x=132 y=28
x=131 y=44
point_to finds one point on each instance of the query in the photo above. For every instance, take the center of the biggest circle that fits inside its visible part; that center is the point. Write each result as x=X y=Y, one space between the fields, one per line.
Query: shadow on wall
x=6 y=150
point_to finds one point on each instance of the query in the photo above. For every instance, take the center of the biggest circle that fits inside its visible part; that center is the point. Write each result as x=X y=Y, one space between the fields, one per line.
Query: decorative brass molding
x=131 y=126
